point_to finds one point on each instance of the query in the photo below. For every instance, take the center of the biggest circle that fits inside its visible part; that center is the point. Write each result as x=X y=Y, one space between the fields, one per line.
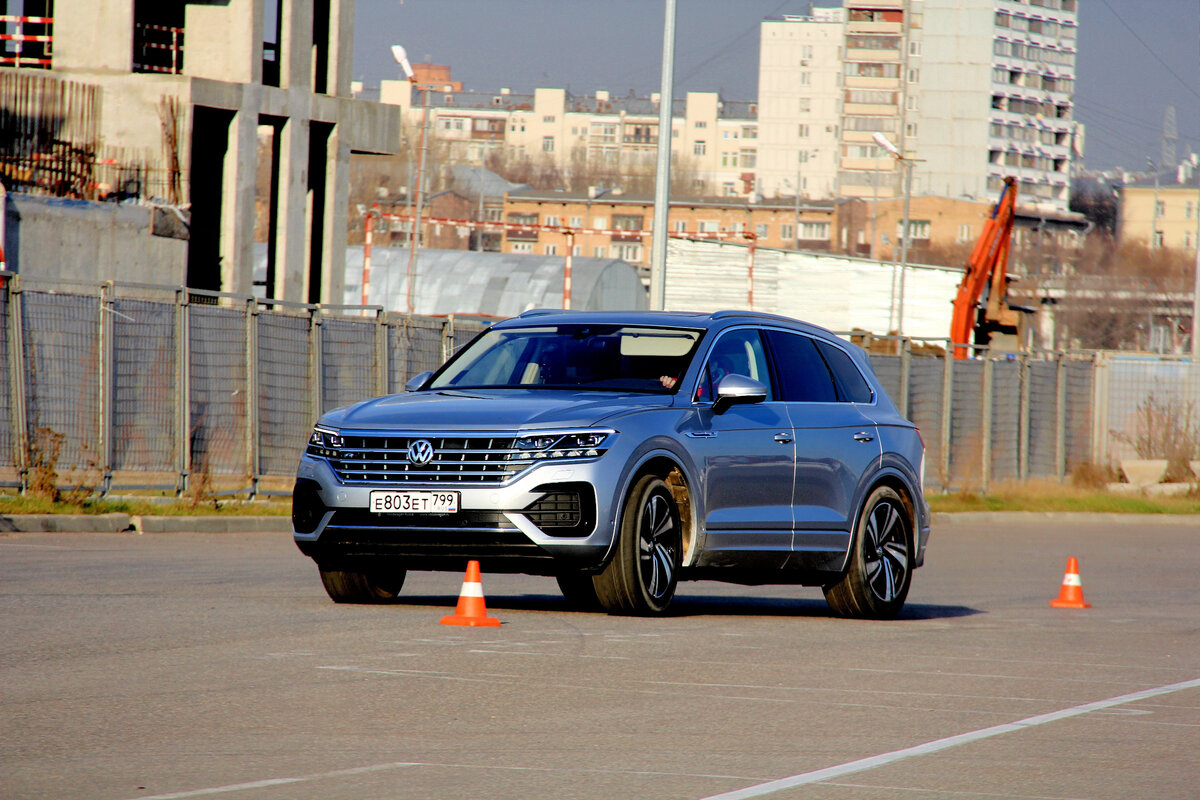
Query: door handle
x=863 y=436
x=701 y=434
x=783 y=438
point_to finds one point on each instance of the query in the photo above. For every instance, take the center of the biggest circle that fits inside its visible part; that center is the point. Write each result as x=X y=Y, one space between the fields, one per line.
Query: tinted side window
x=738 y=352
x=803 y=376
x=851 y=384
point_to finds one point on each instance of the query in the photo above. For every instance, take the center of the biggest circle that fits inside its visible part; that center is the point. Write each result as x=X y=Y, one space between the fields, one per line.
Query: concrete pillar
x=237 y=207
x=337 y=218
x=224 y=41
x=341 y=53
x=93 y=35
x=296 y=44
x=292 y=229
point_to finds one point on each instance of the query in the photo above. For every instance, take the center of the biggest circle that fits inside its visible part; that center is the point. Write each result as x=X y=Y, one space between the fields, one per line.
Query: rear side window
x=852 y=386
x=803 y=376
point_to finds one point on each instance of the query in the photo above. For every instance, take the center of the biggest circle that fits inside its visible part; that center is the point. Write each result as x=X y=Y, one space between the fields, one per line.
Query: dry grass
x=1054 y=496
x=29 y=504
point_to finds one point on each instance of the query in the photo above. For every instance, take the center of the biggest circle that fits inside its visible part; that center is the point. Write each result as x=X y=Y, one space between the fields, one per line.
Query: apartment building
x=174 y=97
x=971 y=90
x=712 y=139
x=618 y=226
x=799 y=98
x=1163 y=211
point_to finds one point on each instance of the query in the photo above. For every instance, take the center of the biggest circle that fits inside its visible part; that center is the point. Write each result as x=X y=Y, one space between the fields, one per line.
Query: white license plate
x=414 y=502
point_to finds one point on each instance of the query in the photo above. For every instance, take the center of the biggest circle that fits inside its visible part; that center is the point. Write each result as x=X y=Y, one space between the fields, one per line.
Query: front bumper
x=546 y=520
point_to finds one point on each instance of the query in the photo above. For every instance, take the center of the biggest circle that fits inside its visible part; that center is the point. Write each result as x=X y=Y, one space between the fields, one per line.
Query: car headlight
x=573 y=444
x=325 y=443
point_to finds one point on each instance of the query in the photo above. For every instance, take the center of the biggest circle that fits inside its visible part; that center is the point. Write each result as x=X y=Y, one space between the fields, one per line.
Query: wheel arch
x=665 y=465
x=893 y=480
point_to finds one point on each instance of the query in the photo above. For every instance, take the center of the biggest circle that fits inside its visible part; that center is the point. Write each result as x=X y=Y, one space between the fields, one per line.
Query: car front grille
x=385 y=459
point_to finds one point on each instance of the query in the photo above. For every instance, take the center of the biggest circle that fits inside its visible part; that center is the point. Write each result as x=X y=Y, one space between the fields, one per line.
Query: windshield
x=611 y=358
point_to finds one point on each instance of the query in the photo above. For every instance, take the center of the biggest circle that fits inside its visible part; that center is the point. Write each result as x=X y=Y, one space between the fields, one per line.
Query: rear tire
x=643 y=574
x=354 y=586
x=876 y=583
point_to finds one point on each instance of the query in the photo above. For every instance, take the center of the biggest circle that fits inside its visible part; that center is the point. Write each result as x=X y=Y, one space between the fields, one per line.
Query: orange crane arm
x=988 y=264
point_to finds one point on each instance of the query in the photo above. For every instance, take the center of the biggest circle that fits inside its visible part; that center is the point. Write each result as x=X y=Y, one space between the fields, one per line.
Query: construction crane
x=987 y=269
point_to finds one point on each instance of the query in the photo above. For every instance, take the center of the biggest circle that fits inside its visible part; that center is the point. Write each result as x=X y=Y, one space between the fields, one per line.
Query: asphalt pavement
x=213 y=665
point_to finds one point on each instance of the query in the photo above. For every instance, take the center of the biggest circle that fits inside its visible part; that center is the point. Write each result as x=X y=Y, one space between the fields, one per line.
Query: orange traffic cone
x=1071 y=594
x=471 y=609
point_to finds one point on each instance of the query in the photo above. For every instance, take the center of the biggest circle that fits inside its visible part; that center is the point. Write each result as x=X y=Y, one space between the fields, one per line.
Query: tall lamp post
x=401 y=58
x=906 y=164
x=662 y=174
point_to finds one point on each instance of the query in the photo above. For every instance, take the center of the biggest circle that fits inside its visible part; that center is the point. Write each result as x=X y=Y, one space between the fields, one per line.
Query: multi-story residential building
x=1163 y=211
x=970 y=90
x=799 y=88
x=603 y=219
x=713 y=140
x=169 y=99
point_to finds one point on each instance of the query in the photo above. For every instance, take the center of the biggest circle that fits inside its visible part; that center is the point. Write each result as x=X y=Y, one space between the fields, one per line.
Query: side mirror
x=417 y=381
x=736 y=390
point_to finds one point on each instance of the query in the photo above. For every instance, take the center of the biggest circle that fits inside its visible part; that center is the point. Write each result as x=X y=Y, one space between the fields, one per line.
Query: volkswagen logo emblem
x=420 y=452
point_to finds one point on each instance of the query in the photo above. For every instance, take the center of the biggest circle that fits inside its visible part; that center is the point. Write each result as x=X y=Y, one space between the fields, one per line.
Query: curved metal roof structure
x=499 y=284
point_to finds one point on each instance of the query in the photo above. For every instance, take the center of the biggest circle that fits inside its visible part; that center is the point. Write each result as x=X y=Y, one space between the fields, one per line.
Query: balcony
x=30 y=45
x=157 y=49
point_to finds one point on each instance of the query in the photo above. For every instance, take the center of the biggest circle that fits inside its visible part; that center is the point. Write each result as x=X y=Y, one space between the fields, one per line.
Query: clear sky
x=1136 y=57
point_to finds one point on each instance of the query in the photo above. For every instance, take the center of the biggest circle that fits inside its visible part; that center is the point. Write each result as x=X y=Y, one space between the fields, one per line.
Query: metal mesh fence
x=8 y=439
x=925 y=404
x=62 y=386
x=286 y=410
x=219 y=392
x=349 y=362
x=145 y=386
x=1043 y=419
x=1006 y=420
x=966 y=428
x=74 y=368
x=414 y=346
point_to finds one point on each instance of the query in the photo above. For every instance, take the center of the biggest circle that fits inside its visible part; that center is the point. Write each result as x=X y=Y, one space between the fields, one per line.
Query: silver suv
x=622 y=453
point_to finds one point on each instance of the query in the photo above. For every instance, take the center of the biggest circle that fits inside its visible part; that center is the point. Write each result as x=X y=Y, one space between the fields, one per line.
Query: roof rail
x=541 y=312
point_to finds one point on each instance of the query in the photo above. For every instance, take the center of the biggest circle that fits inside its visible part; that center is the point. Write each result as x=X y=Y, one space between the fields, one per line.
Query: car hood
x=489 y=410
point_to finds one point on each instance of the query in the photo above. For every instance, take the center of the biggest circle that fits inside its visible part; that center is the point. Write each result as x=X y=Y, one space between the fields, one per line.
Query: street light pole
x=905 y=164
x=662 y=177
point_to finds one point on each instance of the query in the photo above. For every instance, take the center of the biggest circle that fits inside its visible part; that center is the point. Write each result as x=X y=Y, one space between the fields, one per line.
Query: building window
x=547 y=144
x=701 y=123
x=600 y=222
x=553 y=220
x=522 y=247
x=748 y=159
x=551 y=249
x=548 y=119
x=576 y=222
x=814 y=231
x=679 y=226
x=803 y=132
x=749 y=132
x=804 y=104
x=699 y=148
x=598 y=252
x=917 y=229
x=785 y=231
x=729 y=188
x=762 y=230
x=628 y=252
x=805 y=78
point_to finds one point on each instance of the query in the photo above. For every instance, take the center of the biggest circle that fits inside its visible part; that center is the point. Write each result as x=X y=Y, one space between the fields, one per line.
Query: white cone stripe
x=1071 y=579
x=471 y=589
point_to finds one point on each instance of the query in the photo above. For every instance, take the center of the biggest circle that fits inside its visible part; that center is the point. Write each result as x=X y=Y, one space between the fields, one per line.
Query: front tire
x=356 y=586
x=876 y=583
x=643 y=574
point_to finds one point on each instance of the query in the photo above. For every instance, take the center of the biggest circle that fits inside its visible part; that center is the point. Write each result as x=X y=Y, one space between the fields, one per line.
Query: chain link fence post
x=17 y=366
x=183 y=391
x=1023 y=421
x=104 y=370
x=252 y=391
x=383 y=363
x=1060 y=417
x=947 y=416
x=985 y=422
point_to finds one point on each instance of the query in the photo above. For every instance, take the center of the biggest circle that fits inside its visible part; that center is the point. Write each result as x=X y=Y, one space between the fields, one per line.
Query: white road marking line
x=338 y=773
x=936 y=746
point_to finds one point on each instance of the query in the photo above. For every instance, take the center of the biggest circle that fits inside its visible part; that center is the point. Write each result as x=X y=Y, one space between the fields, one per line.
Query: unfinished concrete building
x=239 y=111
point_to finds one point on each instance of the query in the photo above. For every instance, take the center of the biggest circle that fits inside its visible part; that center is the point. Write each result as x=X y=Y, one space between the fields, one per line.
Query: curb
x=1085 y=517
x=126 y=523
